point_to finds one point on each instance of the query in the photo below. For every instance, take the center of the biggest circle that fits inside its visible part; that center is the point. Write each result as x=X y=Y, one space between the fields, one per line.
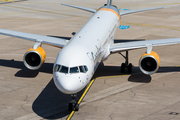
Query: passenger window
x=85 y=68
x=56 y=68
x=81 y=68
x=74 y=70
x=64 y=69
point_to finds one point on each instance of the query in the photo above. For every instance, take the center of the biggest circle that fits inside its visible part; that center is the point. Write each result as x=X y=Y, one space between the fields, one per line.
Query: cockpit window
x=85 y=68
x=74 y=70
x=81 y=68
x=63 y=69
x=56 y=68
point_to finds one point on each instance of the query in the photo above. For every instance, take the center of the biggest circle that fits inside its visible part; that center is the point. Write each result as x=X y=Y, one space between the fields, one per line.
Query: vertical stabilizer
x=109 y=3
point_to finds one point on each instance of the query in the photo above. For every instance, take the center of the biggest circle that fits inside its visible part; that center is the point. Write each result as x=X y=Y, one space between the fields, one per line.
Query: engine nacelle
x=34 y=58
x=149 y=63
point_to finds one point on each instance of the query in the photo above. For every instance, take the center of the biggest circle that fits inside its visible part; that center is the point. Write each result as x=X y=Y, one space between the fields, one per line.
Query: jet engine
x=34 y=58
x=149 y=63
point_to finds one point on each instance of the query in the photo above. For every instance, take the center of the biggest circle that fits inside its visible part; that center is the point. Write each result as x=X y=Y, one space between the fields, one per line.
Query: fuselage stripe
x=111 y=10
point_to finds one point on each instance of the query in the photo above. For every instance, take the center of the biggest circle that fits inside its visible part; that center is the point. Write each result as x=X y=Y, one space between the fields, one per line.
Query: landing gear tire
x=77 y=107
x=130 y=68
x=73 y=107
x=122 y=67
x=126 y=66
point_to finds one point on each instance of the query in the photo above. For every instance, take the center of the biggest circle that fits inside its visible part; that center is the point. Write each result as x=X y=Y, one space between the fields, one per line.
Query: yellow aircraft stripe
x=111 y=10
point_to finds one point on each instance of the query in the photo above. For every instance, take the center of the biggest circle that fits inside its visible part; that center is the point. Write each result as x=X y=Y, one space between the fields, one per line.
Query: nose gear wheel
x=73 y=105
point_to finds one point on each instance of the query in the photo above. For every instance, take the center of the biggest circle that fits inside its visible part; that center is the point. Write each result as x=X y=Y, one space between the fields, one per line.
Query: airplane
x=80 y=56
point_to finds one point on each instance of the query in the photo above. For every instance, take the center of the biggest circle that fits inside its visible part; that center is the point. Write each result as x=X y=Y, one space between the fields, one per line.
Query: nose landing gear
x=126 y=66
x=73 y=104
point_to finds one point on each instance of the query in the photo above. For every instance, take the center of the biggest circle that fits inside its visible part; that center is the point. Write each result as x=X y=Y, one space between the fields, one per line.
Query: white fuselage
x=78 y=60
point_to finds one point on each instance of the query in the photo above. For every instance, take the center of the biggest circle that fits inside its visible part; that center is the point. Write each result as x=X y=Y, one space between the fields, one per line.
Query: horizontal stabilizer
x=82 y=8
x=135 y=11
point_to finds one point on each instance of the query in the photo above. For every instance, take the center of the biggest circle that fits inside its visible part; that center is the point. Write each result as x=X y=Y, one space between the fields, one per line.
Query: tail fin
x=109 y=3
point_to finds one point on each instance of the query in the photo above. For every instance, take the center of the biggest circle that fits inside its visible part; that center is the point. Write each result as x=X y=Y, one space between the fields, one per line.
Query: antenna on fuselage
x=109 y=3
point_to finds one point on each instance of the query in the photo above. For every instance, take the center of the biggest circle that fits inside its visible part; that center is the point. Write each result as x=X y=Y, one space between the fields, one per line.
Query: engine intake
x=34 y=58
x=149 y=63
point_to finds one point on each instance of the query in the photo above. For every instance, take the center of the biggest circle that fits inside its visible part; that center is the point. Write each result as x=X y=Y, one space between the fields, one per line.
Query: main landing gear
x=126 y=66
x=73 y=105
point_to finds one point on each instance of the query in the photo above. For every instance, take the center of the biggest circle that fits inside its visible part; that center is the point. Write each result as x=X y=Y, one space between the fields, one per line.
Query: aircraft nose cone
x=67 y=85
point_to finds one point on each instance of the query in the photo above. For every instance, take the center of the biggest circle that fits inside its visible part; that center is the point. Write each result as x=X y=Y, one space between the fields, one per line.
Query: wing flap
x=120 y=47
x=57 y=42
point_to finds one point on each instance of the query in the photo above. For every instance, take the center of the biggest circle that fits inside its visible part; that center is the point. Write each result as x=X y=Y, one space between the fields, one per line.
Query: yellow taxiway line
x=87 y=89
x=85 y=92
x=42 y=11
x=80 y=100
x=70 y=116
x=90 y=84
x=6 y=0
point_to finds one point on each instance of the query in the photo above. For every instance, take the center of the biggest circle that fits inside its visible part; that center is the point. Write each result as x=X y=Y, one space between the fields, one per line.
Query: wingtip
x=159 y=8
x=63 y=4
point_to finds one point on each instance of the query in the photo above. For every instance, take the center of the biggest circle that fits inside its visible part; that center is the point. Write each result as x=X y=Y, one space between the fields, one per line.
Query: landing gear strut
x=73 y=105
x=126 y=66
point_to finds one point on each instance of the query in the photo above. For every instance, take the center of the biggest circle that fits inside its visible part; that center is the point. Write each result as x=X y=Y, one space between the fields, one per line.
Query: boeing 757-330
x=93 y=43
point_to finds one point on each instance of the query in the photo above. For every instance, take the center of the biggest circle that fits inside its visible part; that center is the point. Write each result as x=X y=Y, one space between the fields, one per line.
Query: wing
x=57 y=42
x=142 y=44
x=134 y=11
x=82 y=8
